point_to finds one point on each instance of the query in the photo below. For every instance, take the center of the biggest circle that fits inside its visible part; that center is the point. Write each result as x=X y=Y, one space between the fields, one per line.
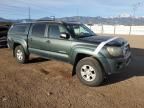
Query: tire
x=20 y=55
x=90 y=72
x=3 y=42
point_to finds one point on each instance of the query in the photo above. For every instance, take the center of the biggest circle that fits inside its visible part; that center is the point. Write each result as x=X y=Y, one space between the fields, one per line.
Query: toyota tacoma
x=93 y=57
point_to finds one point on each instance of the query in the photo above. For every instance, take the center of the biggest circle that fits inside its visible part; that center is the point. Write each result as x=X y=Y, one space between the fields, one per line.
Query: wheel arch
x=80 y=56
x=23 y=44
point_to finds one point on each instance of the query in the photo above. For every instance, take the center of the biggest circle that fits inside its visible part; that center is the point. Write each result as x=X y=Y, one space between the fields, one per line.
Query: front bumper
x=117 y=64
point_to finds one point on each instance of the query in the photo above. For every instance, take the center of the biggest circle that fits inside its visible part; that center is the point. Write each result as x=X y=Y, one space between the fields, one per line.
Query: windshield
x=80 y=30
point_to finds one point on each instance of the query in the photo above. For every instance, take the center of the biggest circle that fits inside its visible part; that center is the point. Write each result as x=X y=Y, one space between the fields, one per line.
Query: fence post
x=114 y=29
x=130 y=30
x=102 y=30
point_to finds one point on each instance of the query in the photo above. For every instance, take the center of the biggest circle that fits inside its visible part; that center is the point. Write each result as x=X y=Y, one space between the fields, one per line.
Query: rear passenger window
x=18 y=29
x=38 y=30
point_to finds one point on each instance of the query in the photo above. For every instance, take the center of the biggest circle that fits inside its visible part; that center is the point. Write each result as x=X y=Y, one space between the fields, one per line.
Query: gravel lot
x=48 y=84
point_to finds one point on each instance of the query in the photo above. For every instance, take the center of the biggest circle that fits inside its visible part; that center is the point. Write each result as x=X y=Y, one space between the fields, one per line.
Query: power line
x=11 y=11
x=36 y=7
x=3 y=12
x=136 y=6
x=13 y=6
x=26 y=9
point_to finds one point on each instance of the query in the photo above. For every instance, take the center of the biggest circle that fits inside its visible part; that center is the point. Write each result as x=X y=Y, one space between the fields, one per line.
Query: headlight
x=115 y=51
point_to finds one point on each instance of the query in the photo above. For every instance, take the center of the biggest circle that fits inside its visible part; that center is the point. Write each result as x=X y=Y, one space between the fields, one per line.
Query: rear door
x=38 y=40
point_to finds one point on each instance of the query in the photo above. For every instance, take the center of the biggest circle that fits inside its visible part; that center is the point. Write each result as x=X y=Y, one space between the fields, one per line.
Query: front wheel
x=20 y=55
x=89 y=72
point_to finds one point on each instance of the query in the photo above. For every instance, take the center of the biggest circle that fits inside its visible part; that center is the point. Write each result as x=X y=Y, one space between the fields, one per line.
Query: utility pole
x=134 y=9
x=78 y=17
x=29 y=13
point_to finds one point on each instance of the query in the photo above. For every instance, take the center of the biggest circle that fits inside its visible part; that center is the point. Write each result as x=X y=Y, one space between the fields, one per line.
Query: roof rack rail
x=51 y=18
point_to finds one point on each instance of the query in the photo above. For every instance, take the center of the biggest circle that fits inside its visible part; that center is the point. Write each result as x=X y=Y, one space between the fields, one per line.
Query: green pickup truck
x=93 y=57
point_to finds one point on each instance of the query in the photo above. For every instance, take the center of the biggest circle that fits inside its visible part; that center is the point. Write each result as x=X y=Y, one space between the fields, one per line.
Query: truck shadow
x=135 y=69
x=34 y=60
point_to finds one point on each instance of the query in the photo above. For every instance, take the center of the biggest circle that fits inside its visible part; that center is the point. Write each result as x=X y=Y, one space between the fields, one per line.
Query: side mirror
x=64 y=35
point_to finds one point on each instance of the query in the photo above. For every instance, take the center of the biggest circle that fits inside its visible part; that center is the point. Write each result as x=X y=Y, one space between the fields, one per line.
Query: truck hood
x=99 y=39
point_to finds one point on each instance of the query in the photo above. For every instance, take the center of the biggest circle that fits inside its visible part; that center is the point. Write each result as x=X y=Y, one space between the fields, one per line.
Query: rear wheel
x=89 y=72
x=20 y=55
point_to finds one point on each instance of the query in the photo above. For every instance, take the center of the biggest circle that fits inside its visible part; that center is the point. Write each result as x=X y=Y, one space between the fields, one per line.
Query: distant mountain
x=101 y=20
x=3 y=20
x=15 y=21
x=92 y=20
x=111 y=21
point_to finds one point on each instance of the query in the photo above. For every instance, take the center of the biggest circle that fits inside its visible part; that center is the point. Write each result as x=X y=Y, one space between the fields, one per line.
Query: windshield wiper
x=85 y=36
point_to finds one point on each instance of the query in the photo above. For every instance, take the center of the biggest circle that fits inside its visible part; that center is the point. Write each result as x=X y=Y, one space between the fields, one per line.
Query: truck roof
x=50 y=21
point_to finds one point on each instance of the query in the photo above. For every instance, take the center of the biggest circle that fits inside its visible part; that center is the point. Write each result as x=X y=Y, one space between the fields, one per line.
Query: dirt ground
x=48 y=84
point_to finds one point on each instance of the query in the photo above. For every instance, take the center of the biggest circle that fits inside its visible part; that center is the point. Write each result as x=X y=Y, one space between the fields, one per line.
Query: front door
x=60 y=48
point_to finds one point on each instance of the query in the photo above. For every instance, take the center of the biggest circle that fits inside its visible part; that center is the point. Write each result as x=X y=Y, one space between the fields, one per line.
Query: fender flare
x=99 y=57
x=23 y=43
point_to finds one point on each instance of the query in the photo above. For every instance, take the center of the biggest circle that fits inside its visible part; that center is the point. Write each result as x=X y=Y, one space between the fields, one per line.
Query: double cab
x=93 y=57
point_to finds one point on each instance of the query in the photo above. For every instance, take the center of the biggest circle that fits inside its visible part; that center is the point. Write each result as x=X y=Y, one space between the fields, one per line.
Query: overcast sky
x=17 y=9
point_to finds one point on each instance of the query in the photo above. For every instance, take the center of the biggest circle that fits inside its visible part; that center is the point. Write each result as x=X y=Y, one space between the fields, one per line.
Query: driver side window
x=55 y=30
